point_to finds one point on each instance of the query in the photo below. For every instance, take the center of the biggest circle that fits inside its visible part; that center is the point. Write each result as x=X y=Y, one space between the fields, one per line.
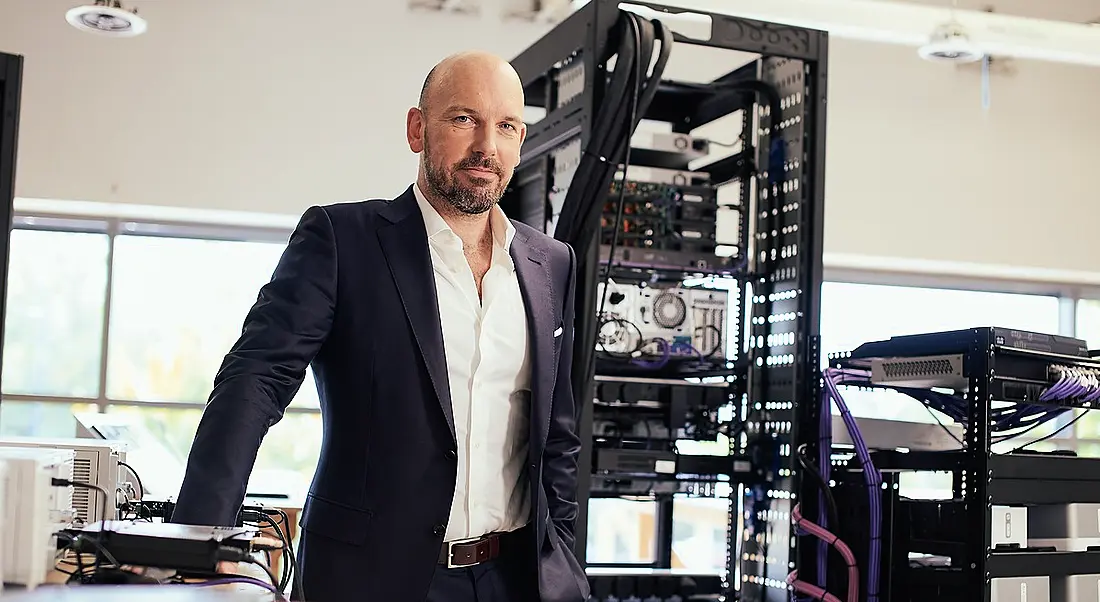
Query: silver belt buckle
x=450 y=552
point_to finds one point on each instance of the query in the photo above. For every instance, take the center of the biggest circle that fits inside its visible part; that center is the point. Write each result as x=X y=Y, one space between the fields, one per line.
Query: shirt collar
x=503 y=229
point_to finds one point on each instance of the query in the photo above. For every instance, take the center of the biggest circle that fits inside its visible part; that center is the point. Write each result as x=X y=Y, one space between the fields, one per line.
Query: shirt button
x=439 y=530
x=451 y=455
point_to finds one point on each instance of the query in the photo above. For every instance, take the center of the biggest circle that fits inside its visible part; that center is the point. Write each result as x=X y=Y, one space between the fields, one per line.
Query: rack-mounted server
x=750 y=213
x=1016 y=524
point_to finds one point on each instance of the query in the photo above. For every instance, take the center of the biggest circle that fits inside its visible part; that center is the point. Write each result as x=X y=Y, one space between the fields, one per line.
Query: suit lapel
x=405 y=244
x=533 y=273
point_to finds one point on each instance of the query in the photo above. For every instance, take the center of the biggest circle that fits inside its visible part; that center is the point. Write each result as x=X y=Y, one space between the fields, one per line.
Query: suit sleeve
x=563 y=445
x=259 y=376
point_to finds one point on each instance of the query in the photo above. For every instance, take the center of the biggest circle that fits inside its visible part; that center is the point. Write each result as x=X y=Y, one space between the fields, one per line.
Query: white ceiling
x=1079 y=11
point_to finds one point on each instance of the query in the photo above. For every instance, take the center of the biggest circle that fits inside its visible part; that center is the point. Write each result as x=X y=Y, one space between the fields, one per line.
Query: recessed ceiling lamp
x=107 y=18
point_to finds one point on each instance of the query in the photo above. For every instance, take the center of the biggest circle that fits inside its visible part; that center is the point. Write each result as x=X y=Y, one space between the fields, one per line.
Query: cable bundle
x=842 y=548
x=609 y=143
x=833 y=378
x=1080 y=385
x=1077 y=384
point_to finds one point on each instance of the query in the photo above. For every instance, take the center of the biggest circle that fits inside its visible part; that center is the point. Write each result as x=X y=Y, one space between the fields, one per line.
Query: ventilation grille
x=82 y=497
x=932 y=371
x=919 y=368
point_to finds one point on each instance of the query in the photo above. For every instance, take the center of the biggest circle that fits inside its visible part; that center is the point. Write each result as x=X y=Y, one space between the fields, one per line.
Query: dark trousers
x=509 y=578
x=487 y=582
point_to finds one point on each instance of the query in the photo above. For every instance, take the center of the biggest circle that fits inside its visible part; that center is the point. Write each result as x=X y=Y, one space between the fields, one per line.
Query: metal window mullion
x=103 y=403
x=105 y=334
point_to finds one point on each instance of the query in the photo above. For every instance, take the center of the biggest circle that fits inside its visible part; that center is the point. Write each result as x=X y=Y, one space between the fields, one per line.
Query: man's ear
x=414 y=130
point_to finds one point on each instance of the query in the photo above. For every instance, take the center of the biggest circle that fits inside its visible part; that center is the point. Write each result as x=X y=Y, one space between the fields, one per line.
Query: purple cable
x=242 y=579
x=871 y=476
x=824 y=464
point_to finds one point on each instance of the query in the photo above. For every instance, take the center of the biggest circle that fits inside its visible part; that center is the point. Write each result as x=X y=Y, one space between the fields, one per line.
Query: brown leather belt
x=470 y=552
x=465 y=553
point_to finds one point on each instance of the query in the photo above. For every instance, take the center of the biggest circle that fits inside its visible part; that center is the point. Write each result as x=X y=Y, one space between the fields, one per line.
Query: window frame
x=102 y=219
x=112 y=227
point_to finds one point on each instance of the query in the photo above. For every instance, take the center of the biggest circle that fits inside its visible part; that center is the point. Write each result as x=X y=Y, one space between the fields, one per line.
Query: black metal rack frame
x=994 y=370
x=11 y=81
x=777 y=388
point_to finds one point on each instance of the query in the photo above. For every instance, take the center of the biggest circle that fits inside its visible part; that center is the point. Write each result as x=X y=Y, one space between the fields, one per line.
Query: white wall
x=262 y=105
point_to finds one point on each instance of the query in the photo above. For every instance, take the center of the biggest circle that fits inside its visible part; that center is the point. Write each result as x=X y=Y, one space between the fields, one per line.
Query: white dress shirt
x=488 y=369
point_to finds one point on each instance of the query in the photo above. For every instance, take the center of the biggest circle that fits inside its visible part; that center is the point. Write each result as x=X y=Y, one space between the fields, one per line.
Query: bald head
x=473 y=65
x=468 y=128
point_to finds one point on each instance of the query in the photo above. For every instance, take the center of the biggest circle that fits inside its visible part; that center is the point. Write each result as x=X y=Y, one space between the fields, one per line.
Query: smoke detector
x=108 y=18
x=950 y=43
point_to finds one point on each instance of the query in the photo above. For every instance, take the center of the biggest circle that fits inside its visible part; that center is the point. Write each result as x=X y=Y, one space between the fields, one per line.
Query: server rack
x=986 y=366
x=11 y=79
x=773 y=384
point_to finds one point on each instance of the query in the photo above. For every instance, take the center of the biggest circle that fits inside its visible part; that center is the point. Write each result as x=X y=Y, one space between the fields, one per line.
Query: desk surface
x=283 y=503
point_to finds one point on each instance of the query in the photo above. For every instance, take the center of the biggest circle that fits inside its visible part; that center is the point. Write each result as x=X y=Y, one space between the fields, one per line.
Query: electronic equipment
x=670 y=220
x=666 y=323
x=95 y=463
x=34 y=509
x=161 y=470
x=184 y=548
x=1026 y=529
x=1027 y=362
x=1075 y=588
x=612 y=119
x=1065 y=527
x=897 y=434
x=670 y=150
x=669 y=408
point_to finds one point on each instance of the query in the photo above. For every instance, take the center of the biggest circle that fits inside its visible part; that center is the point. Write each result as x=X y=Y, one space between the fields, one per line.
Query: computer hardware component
x=670 y=223
x=895 y=434
x=1075 y=588
x=184 y=548
x=668 y=150
x=924 y=372
x=1009 y=526
x=34 y=509
x=1065 y=527
x=955 y=341
x=671 y=409
x=1020 y=589
x=660 y=324
x=160 y=468
x=1028 y=365
x=95 y=463
x=662 y=217
x=769 y=113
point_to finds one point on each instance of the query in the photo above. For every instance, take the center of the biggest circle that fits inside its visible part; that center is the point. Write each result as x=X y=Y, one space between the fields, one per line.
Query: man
x=441 y=337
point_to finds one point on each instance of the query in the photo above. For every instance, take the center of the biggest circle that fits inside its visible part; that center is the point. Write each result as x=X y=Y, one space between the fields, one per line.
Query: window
x=285 y=463
x=40 y=419
x=177 y=306
x=852 y=314
x=53 y=333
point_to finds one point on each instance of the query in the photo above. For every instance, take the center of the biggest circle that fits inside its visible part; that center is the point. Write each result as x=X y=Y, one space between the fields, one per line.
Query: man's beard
x=471 y=200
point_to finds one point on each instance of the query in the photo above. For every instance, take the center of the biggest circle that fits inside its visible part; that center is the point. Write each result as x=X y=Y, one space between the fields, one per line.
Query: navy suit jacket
x=354 y=295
